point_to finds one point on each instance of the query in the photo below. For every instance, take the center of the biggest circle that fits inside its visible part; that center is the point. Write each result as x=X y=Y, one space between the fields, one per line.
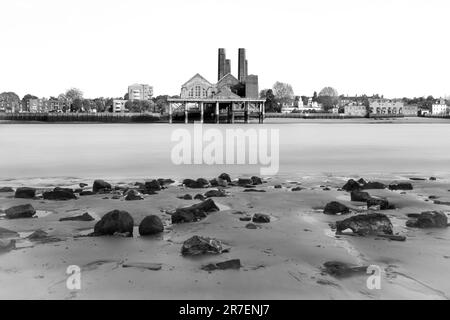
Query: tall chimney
x=221 y=66
x=241 y=65
x=227 y=66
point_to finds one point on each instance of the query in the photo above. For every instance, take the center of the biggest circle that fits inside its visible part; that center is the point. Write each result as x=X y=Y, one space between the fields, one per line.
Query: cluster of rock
x=195 y=212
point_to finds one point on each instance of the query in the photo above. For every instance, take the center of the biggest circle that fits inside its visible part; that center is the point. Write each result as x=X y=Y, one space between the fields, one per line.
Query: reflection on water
x=69 y=152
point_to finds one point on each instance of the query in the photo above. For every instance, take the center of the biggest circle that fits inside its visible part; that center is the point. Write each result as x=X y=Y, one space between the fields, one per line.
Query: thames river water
x=141 y=151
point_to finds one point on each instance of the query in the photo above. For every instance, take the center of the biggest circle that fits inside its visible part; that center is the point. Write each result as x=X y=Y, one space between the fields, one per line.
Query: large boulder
x=133 y=194
x=164 y=182
x=196 y=184
x=261 y=218
x=6 y=189
x=153 y=185
x=429 y=219
x=243 y=182
x=20 y=211
x=218 y=182
x=340 y=269
x=352 y=185
x=360 y=196
x=226 y=177
x=195 y=212
x=215 y=193
x=59 y=194
x=401 y=186
x=116 y=221
x=198 y=245
x=256 y=180
x=101 y=186
x=374 y=185
x=84 y=217
x=381 y=202
x=151 y=225
x=335 y=207
x=25 y=192
x=364 y=224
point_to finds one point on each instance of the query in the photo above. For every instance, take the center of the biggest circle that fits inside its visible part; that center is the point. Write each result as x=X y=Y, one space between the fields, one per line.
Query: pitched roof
x=197 y=75
x=225 y=93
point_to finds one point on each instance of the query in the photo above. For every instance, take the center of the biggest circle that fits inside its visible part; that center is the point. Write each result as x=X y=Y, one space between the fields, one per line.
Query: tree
x=314 y=97
x=74 y=93
x=283 y=92
x=271 y=104
x=76 y=105
x=263 y=93
x=328 y=97
x=304 y=100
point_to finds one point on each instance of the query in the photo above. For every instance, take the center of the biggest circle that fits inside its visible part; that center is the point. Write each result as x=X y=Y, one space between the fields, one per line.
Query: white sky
x=392 y=47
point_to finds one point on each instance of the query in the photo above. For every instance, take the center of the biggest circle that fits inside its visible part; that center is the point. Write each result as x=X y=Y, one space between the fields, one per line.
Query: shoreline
x=282 y=259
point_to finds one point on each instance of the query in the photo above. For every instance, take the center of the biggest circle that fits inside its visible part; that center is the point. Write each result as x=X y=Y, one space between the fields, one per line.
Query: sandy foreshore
x=282 y=259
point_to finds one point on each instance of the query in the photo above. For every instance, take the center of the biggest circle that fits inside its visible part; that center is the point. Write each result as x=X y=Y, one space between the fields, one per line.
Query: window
x=197 y=91
x=191 y=92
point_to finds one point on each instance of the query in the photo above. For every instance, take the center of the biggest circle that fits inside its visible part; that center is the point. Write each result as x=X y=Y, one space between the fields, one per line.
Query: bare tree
x=283 y=92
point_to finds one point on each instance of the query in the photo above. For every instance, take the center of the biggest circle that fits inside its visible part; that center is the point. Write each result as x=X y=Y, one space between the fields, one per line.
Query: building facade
x=439 y=108
x=140 y=92
x=385 y=107
x=354 y=109
x=119 y=105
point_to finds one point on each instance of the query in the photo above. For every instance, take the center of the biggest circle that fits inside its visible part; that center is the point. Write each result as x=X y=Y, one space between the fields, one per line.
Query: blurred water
x=124 y=151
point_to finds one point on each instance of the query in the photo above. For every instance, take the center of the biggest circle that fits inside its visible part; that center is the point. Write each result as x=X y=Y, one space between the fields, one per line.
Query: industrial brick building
x=229 y=95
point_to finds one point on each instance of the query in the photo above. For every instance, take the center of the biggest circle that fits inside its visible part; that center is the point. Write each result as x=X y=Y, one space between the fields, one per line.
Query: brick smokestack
x=227 y=66
x=241 y=65
x=221 y=63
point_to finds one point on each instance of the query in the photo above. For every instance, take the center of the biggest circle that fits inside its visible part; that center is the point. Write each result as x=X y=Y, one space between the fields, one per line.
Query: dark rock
x=6 y=189
x=433 y=178
x=297 y=189
x=254 y=190
x=195 y=212
x=352 y=185
x=198 y=245
x=230 y=264
x=429 y=219
x=116 y=221
x=7 y=246
x=196 y=184
x=38 y=235
x=101 y=185
x=335 y=207
x=215 y=193
x=245 y=218
x=374 y=185
x=256 y=180
x=165 y=182
x=78 y=190
x=25 y=193
x=84 y=217
x=133 y=195
x=87 y=193
x=446 y=203
x=341 y=270
x=59 y=194
x=401 y=186
x=278 y=186
x=361 y=181
x=365 y=224
x=199 y=197
x=226 y=177
x=261 y=218
x=413 y=215
x=360 y=196
x=185 y=197
x=417 y=179
x=82 y=185
x=245 y=181
x=151 y=225
x=432 y=197
x=377 y=201
x=326 y=189
x=214 y=182
x=251 y=226
x=393 y=237
x=152 y=185
x=20 y=211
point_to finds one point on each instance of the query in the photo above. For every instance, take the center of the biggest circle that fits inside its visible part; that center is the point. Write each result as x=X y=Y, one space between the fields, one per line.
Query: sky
x=392 y=47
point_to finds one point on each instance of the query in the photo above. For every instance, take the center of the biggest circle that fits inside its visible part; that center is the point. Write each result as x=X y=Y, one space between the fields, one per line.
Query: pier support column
x=201 y=112
x=217 y=112
x=186 y=113
x=232 y=113
x=170 y=112
x=262 y=111
x=246 y=117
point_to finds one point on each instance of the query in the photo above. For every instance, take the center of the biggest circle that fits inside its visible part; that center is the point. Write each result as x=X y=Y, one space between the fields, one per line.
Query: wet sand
x=282 y=259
